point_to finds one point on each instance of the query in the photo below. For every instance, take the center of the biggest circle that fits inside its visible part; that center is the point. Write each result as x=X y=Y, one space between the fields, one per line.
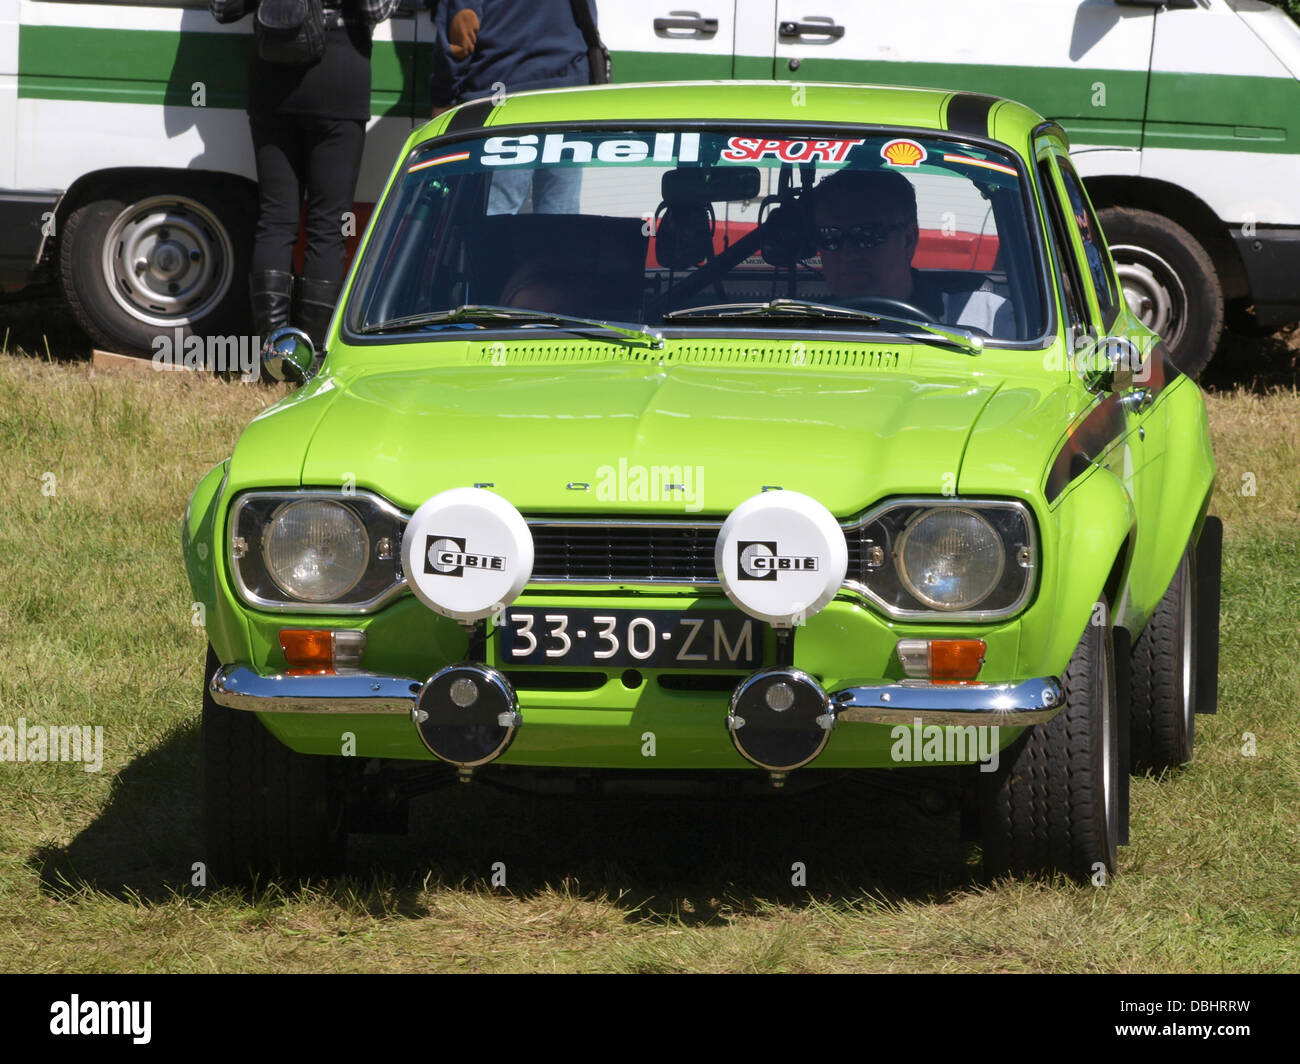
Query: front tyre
x=142 y=259
x=1169 y=282
x=1056 y=802
x=266 y=809
x=1164 y=678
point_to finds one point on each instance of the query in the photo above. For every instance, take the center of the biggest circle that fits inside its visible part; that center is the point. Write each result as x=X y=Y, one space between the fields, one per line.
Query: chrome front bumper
x=239 y=687
x=1009 y=705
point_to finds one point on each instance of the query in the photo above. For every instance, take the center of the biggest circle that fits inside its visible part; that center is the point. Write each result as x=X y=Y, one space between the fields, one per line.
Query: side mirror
x=1113 y=364
x=288 y=354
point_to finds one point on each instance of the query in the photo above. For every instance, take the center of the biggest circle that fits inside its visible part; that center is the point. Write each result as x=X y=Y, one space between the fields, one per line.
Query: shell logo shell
x=903 y=153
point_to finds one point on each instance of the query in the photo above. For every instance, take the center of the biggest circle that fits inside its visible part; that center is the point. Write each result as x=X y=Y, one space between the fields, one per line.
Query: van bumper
x=22 y=215
x=1271 y=256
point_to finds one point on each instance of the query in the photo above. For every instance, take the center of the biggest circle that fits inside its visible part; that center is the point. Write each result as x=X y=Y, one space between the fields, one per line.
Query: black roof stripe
x=470 y=116
x=968 y=112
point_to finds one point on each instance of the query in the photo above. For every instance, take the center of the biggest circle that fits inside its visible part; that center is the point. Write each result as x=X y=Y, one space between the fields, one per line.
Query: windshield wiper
x=968 y=341
x=479 y=312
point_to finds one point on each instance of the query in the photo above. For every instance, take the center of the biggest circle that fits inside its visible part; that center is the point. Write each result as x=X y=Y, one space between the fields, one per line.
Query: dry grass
x=94 y=868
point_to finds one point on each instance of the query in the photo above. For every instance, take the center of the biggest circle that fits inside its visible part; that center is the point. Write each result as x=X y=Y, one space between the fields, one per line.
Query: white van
x=1184 y=117
x=1185 y=120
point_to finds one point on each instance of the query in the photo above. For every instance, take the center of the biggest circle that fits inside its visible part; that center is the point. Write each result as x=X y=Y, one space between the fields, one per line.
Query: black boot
x=313 y=306
x=271 y=292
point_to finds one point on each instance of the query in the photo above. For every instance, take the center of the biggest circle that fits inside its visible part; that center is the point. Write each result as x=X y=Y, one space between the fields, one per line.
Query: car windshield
x=692 y=228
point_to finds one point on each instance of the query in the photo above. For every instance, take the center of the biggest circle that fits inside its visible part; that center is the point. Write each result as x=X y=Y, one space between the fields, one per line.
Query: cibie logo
x=903 y=153
x=446 y=556
x=758 y=560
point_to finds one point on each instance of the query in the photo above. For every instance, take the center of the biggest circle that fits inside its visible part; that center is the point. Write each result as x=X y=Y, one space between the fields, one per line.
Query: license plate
x=649 y=639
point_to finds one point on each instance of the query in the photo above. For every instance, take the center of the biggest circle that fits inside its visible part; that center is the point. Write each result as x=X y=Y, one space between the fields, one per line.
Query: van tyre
x=266 y=809
x=1169 y=280
x=1164 y=678
x=142 y=258
x=1056 y=804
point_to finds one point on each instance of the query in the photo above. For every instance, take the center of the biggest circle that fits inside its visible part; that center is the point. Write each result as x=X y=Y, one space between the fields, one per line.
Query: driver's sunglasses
x=870 y=235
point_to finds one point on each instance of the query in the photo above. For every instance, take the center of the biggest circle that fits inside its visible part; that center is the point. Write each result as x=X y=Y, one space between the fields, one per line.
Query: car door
x=1081 y=62
x=675 y=40
x=1137 y=456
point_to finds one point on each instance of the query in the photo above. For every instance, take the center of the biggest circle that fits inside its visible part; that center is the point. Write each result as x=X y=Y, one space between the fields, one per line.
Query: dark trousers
x=316 y=157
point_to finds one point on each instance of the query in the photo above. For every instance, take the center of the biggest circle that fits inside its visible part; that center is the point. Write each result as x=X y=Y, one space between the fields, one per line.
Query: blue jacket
x=484 y=45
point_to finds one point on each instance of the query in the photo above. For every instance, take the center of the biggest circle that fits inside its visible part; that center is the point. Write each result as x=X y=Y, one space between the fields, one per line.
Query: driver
x=867 y=232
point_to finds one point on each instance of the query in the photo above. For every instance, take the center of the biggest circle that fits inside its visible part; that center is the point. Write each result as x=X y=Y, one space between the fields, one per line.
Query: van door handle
x=813 y=26
x=686 y=24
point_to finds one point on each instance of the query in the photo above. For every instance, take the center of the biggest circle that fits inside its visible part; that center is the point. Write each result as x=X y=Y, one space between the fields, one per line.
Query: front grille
x=639 y=553
x=634 y=554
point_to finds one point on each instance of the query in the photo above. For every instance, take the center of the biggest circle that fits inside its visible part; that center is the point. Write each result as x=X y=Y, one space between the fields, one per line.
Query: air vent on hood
x=794 y=354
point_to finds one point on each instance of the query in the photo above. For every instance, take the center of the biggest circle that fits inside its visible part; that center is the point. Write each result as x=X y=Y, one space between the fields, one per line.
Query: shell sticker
x=903 y=153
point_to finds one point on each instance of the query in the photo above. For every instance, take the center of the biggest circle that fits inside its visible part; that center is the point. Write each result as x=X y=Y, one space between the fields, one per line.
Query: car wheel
x=1164 y=678
x=1056 y=802
x=266 y=809
x=1169 y=282
x=140 y=261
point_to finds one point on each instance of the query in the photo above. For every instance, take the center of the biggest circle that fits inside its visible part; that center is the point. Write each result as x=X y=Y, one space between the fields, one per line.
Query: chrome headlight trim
x=359 y=501
x=1030 y=566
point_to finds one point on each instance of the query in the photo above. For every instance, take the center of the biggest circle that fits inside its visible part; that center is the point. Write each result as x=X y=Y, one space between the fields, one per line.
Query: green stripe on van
x=161 y=67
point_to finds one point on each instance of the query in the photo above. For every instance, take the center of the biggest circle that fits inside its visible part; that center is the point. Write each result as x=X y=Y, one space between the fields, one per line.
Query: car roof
x=943 y=110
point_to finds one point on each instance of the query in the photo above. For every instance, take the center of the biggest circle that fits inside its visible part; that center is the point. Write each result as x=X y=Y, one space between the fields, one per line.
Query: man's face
x=884 y=267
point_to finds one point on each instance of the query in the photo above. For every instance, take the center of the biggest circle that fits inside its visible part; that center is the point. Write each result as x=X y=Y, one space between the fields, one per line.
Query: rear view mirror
x=698 y=184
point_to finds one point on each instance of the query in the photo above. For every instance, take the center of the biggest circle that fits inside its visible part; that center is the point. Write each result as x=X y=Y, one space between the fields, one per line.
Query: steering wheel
x=910 y=310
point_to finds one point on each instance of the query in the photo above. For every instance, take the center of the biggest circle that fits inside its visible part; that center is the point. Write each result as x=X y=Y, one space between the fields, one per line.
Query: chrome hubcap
x=167 y=260
x=1153 y=291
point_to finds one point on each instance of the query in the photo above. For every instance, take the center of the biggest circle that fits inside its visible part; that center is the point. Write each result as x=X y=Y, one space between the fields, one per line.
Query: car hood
x=537 y=434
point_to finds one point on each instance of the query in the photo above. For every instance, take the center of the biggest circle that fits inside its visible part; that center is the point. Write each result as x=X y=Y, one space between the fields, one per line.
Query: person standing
x=493 y=47
x=308 y=123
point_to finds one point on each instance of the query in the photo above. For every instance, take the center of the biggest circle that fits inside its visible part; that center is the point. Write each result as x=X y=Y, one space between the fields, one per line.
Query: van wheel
x=1168 y=281
x=143 y=259
x=1056 y=802
x=1164 y=678
x=266 y=809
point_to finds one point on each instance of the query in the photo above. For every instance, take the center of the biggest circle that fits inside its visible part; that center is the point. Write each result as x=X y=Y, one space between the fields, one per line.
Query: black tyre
x=1056 y=802
x=1169 y=281
x=266 y=809
x=144 y=258
x=1164 y=678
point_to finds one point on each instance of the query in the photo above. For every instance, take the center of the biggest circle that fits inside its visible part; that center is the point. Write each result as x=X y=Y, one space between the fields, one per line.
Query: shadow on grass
x=36 y=322
x=144 y=841
x=661 y=858
x=1255 y=364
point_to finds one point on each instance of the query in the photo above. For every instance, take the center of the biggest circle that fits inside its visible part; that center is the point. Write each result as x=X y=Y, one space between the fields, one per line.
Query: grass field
x=95 y=629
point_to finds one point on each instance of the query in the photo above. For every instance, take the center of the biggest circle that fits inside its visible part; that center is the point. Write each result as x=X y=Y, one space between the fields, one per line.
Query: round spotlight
x=467 y=714
x=780 y=719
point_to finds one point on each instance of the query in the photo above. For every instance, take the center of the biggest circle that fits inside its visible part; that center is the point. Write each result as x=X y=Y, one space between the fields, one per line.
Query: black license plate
x=621 y=639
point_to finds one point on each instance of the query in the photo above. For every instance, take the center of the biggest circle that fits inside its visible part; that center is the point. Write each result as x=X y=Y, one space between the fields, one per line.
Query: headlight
x=950 y=559
x=939 y=559
x=315 y=551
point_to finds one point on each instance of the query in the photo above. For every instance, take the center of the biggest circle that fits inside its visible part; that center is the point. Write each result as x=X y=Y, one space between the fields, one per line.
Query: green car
x=700 y=439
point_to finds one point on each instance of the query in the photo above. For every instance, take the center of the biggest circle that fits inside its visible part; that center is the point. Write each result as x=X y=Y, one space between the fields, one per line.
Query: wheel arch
x=90 y=186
